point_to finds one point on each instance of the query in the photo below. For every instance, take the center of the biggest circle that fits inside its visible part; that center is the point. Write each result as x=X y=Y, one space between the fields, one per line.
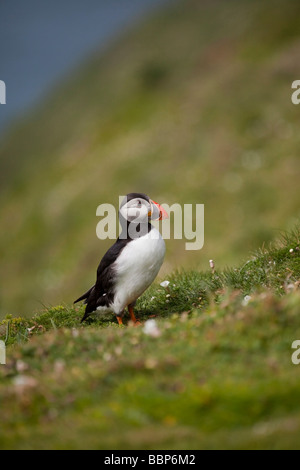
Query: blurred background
x=188 y=101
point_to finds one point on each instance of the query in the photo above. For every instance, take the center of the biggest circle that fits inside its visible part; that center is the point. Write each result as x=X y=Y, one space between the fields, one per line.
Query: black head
x=137 y=209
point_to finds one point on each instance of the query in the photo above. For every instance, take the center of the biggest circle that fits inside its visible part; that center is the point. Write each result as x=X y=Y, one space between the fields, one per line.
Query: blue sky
x=41 y=41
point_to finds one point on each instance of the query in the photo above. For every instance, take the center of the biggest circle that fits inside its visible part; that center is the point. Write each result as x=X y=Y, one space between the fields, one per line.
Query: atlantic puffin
x=130 y=266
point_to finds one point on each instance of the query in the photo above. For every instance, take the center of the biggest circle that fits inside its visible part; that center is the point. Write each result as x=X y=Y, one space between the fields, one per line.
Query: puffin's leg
x=132 y=315
x=120 y=321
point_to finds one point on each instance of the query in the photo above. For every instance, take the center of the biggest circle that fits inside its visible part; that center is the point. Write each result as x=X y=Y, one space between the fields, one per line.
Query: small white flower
x=246 y=300
x=291 y=250
x=24 y=381
x=75 y=333
x=168 y=295
x=152 y=298
x=59 y=366
x=21 y=366
x=150 y=363
x=165 y=284
x=107 y=356
x=118 y=350
x=151 y=329
x=30 y=329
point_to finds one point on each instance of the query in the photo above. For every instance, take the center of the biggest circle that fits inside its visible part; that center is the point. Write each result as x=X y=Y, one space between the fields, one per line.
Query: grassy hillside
x=193 y=105
x=216 y=371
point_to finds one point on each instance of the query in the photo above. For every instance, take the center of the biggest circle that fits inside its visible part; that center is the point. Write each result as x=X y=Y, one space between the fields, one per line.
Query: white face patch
x=136 y=210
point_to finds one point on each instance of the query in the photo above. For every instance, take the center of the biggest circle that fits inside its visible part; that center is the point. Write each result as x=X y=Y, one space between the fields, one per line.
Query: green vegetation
x=193 y=105
x=217 y=373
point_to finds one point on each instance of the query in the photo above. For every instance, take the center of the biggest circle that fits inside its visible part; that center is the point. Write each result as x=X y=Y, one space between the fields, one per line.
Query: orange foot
x=132 y=316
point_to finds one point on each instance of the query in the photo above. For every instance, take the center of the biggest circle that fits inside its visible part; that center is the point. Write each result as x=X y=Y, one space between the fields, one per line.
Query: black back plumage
x=102 y=293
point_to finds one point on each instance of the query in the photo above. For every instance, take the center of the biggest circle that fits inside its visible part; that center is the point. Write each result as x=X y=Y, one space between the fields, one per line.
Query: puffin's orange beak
x=159 y=211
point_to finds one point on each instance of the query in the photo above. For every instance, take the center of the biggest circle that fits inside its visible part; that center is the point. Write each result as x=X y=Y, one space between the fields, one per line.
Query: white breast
x=136 y=268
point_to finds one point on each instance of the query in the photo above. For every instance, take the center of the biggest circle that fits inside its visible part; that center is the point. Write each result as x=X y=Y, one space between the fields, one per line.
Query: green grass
x=276 y=268
x=191 y=106
x=218 y=375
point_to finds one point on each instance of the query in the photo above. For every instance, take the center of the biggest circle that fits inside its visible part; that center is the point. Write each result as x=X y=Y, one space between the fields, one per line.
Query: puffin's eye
x=139 y=203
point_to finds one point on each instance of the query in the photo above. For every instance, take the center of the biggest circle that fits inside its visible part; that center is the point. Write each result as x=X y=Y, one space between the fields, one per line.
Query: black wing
x=102 y=293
